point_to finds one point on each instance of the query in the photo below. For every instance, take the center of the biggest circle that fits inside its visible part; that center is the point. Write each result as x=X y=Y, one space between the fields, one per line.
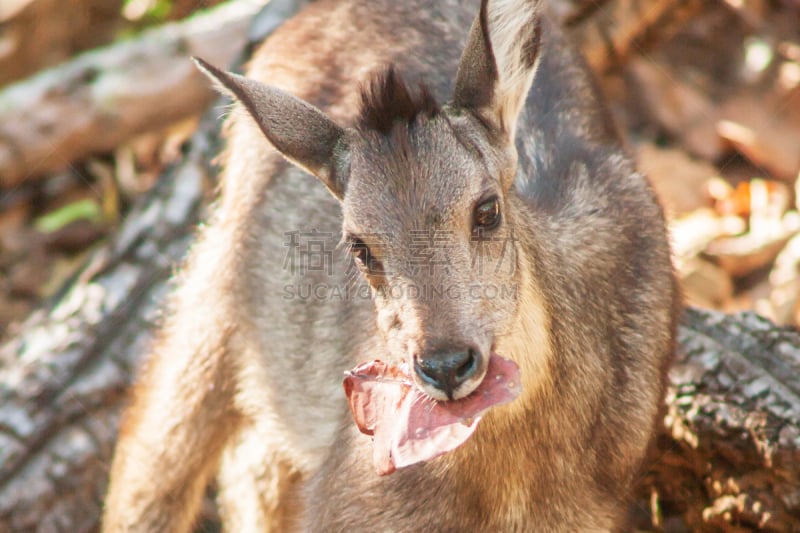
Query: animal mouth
x=407 y=425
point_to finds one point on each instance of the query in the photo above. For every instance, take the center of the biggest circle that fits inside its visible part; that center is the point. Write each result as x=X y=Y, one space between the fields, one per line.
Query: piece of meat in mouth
x=407 y=425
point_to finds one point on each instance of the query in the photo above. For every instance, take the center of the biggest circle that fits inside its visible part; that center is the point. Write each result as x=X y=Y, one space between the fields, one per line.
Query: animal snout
x=447 y=371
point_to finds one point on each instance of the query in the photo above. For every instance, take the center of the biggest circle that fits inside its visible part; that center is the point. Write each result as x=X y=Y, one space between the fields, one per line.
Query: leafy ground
x=714 y=117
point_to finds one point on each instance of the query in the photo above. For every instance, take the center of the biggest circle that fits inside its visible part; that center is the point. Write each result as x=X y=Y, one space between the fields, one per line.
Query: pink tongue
x=408 y=426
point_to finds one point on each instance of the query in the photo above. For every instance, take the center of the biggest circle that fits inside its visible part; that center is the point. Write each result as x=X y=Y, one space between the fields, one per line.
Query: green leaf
x=85 y=209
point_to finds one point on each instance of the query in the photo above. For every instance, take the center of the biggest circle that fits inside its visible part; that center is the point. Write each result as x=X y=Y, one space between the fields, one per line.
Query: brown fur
x=386 y=101
x=246 y=376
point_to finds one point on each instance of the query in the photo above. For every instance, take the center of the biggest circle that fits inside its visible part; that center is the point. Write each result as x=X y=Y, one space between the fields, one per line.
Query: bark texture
x=729 y=456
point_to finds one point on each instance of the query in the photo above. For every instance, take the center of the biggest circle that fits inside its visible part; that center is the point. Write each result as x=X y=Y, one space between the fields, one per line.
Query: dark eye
x=363 y=257
x=487 y=214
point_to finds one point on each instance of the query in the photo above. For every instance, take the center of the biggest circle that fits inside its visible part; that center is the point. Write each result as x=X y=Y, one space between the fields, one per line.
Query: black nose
x=446 y=369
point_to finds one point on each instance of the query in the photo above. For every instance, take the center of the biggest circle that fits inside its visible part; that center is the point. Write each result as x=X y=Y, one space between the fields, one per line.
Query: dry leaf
x=763 y=132
x=683 y=111
x=680 y=180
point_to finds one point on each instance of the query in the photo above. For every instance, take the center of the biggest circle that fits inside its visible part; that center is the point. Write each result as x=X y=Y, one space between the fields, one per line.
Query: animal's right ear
x=499 y=62
x=297 y=129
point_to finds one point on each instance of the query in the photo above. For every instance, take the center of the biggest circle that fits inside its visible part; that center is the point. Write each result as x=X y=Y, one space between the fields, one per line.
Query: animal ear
x=297 y=129
x=499 y=61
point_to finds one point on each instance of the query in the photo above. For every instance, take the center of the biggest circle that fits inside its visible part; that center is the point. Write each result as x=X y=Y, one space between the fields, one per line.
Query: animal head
x=424 y=190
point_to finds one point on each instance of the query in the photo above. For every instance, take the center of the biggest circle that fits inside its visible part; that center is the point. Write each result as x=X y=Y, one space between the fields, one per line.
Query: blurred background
x=707 y=94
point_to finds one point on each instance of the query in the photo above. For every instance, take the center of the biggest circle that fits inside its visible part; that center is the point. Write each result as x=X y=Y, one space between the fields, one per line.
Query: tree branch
x=103 y=98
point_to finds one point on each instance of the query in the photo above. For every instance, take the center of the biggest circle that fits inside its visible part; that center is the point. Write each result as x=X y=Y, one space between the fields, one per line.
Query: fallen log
x=729 y=456
x=103 y=98
x=63 y=379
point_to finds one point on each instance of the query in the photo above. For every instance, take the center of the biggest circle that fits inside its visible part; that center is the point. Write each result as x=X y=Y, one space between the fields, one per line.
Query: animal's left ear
x=300 y=131
x=499 y=61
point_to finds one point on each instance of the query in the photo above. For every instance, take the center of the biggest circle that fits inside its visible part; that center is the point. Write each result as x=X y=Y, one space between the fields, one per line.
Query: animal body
x=474 y=199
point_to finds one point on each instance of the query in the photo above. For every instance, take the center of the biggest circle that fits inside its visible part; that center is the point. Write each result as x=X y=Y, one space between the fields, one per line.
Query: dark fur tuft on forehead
x=387 y=101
